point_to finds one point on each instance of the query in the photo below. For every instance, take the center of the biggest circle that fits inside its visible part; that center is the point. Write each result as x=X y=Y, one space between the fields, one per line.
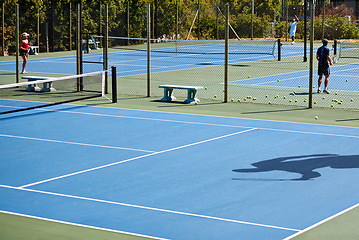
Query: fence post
x=226 y=55
x=148 y=50
x=17 y=42
x=311 y=63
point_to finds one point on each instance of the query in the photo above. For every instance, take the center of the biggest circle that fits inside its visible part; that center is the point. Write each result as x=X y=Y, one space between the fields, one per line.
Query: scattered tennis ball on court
x=254 y=99
x=323 y=97
x=339 y=102
x=249 y=76
x=332 y=105
x=239 y=100
x=266 y=96
x=351 y=100
x=215 y=96
x=277 y=80
x=346 y=80
x=316 y=117
x=205 y=88
x=296 y=100
x=315 y=102
x=336 y=93
x=232 y=100
x=313 y=86
x=293 y=59
x=244 y=99
x=196 y=103
x=269 y=103
x=299 y=86
x=284 y=97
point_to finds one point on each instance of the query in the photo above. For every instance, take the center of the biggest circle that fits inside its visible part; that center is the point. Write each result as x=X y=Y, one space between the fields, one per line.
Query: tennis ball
x=346 y=80
x=284 y=97
x=249 y=76
x=239 y=100
x=332 y=105
x=316 y=118
x=277 y=80
x=266 y=96
x=269 y=103
x=254 y=99
x=296 y=100
x=215 y=96
x=205 y=88
x=323 y=97
x=351 y=100
x=196 y=103
x=299 y=86
x=293 y=59
x=336 y=93
x=232 y=99
x=244 y=99
x=315 y=102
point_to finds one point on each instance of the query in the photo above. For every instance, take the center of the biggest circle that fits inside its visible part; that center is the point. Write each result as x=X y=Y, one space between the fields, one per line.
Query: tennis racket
x=31 y=43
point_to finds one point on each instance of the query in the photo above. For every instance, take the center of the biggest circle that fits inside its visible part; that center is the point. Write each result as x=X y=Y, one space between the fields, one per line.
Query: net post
x=105 y=51
x=226 y=55
x=114 y=84
x=17 y=40
x=335 y=47
x=311 y=59
x=148 y=50
x=279 y=50
x=79 y=45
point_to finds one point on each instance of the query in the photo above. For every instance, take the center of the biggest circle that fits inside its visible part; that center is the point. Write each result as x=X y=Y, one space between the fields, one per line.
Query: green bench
x=47 y=86
x=191 y=93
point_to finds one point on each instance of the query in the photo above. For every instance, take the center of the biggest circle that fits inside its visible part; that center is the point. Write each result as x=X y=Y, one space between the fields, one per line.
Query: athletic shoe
x=326 y=91
x=23 y=72
x=292 y=43
x=319 y=91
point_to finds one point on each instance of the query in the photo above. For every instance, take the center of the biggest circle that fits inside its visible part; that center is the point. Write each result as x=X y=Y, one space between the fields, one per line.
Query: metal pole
x=148 y=50
x=17 y=33
x=226 y=55
x=311 y=60
x=38 y=29
x=252 y=17
x=114 y=84
x=105 y=52
x=3 y=29
x=70 y=27
x=323 y=19
x=305 y=31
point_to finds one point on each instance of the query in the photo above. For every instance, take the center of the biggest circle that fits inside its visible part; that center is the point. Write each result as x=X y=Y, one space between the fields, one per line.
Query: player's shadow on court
x=306 y=165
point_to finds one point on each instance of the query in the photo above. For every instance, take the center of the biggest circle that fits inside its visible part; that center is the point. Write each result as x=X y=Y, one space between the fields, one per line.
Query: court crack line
x=152 y=208
x=136 y=158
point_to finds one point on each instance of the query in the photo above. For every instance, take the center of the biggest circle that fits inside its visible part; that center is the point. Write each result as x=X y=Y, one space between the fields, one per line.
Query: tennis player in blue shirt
x=324 y=60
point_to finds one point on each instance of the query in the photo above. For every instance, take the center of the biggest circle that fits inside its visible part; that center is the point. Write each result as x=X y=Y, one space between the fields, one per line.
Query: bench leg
x=168 y=95
x=32 y=87
x=47 y=87
x=191 y=96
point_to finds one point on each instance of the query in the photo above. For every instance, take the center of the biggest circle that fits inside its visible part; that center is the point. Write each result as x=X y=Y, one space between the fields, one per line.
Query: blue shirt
x=323 y=53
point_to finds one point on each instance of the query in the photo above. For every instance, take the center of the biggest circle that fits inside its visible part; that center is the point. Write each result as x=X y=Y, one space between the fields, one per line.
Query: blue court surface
x=176 y=176
x=344 y=77
x=135 y=62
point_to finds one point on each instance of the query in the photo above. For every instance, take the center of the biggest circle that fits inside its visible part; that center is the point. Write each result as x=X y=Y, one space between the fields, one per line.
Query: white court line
x=213 y=124
x=74 y=143
x=81 y=225
x=135 y=158
x=152 y=208
x=321 y=222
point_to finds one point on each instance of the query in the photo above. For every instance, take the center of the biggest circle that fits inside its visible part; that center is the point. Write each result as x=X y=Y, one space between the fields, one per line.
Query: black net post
x=279 y=50
x=114 y=84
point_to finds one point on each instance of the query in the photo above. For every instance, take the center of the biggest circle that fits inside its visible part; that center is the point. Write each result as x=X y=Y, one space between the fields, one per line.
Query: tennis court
x=176 y=176
x=165 y=175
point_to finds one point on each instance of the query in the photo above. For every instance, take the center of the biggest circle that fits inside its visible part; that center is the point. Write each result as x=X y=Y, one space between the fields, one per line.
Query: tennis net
x=43 y=92
x=267 y=47
x=348 y=50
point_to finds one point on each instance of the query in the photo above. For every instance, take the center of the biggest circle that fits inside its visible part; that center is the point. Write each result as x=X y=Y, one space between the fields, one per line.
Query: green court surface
x=343 y=226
